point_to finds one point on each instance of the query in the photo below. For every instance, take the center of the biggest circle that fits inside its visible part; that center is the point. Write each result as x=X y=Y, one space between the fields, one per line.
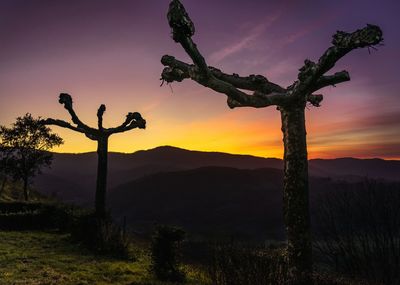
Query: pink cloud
x=246 y=41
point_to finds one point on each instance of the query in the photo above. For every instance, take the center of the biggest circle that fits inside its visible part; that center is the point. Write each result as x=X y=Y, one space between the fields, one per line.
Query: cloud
x=246 y=42
x=376 y=135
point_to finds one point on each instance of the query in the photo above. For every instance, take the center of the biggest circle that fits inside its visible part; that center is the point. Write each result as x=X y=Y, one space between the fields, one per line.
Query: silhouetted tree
x=290 y=101
x=166 y=253
x=24 y=149
x=101 y=135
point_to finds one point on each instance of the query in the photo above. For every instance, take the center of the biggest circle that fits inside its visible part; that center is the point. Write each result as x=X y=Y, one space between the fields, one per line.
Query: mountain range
x=208 y=193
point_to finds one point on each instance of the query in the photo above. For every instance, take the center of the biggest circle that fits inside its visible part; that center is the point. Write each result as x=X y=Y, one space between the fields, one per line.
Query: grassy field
x=50 y=258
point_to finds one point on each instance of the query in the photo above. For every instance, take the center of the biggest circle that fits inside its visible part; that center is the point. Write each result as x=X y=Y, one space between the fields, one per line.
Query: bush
x=243 y=264
x=100 y=235
x=358 y=231
x=165 y=253
x=34 y=216
x=240 y=264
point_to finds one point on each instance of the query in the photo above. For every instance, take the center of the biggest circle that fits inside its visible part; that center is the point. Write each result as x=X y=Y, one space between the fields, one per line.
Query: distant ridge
x=206 y=201
x=72 y=176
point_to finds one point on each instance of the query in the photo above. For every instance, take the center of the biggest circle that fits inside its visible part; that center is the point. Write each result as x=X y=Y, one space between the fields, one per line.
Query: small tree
x=25 y=149
x=101 y=135
x=290 y=101
x=165 y=253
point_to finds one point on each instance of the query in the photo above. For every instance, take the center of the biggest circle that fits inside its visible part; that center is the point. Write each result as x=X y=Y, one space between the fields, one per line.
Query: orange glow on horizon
x=235 y=135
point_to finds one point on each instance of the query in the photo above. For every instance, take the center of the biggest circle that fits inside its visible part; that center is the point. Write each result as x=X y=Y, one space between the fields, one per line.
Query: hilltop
x=72 y=176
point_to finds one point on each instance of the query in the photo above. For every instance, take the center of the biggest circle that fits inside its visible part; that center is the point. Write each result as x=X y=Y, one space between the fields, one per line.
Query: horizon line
x=230 y=153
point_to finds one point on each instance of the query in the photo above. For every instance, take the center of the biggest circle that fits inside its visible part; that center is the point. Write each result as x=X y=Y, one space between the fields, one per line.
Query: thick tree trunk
x=26 y=189
x=3 y=184
x=101 y=184
x=295 y=195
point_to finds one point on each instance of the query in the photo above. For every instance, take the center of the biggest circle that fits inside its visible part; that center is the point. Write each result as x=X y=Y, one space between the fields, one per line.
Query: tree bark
x=296 y=200
x=26 y=190
x=101 y=183
x=3 y=184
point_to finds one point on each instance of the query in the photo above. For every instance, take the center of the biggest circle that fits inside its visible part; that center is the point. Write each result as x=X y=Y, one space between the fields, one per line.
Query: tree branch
x=252 y=82
x=182 y=31
x=100 y=113
x=343 y=43
x=133 y=120
x=66 y=100
x=328 y=80
x=177 y=70
x=315 y=99
x=61 y=123
x=310 y=78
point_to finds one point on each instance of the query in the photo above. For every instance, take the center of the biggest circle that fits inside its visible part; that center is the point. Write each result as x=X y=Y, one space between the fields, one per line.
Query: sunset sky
x=108 y=52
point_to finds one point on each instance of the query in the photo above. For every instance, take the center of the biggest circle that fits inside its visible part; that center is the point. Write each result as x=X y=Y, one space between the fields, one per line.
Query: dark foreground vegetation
x=356 y=235
x=37 y=257
x=358 y=231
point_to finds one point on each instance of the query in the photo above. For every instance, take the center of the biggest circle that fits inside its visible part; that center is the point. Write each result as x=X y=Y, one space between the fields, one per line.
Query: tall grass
x=358 y=231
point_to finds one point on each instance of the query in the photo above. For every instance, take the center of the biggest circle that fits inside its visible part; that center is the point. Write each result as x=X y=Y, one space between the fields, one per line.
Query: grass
x=50 y=258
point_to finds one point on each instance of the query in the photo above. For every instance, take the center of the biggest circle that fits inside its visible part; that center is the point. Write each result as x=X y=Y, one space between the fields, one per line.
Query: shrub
x=240 y=264
x=100 y=235
x=358 y=231
x=165 y=253
x=34 y=216
x=243 y=264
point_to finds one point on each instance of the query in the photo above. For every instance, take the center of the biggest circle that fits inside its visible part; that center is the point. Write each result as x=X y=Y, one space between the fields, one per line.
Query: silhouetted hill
x=346 y=167
x=208 y=200
x=73 y=176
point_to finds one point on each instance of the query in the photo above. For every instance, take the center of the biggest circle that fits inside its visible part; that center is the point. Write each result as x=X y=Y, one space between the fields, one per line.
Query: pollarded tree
x=290 y=101
x=24 y=149
x=101 y=135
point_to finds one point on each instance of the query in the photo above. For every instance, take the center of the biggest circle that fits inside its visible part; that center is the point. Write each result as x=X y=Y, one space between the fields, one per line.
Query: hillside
x=72 y=176
x=209 y=201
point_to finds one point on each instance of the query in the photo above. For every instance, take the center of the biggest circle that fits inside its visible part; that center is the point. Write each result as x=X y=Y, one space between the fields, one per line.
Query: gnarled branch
x=328 y=80
x=315 y=99
x=66 y=100
x=177 y=70
x=100 y=113
x=61 y=123
x=310 y=74
x=132 y=121
x=182 y=31
x=310 y=78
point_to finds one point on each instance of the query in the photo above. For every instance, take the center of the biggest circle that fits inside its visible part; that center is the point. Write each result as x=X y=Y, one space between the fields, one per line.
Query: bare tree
x=101 y=135
x=290 y=101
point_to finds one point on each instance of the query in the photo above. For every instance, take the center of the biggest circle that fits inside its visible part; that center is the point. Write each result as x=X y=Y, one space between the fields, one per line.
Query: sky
x=108 y=52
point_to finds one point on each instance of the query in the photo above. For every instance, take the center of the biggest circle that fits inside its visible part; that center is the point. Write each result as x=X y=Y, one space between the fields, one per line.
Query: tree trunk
x=26 y=190
x=3 y=184
x=295 y=195
x=101 y=183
